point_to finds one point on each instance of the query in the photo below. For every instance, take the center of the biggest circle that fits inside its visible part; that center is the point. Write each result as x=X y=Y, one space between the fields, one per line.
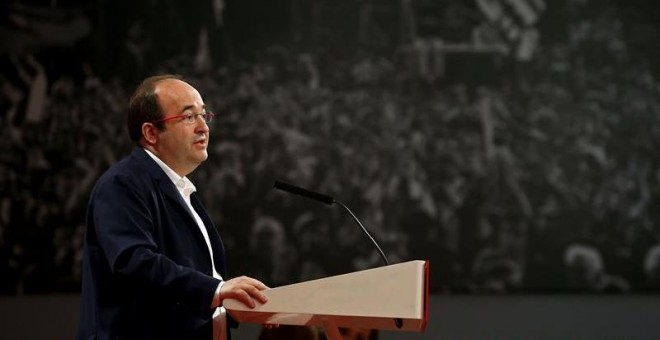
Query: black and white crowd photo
x=164 y=161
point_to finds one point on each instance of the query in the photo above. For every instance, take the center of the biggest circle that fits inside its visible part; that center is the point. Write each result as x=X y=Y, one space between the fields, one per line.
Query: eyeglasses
x=189 y=118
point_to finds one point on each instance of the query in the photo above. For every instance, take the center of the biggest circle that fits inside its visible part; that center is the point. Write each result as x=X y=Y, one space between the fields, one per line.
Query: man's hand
x=244 y=289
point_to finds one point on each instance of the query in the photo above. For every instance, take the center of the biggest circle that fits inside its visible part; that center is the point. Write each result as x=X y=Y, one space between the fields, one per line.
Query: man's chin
x=203 y=156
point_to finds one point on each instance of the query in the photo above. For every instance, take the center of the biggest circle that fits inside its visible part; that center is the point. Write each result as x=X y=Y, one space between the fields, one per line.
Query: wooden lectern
x=367 y=299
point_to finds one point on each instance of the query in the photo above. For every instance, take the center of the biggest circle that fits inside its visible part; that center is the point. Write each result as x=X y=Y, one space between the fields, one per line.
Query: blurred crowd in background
x=512 y=143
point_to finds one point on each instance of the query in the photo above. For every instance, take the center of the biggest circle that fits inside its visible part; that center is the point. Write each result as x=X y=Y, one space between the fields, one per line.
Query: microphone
x=329 y=201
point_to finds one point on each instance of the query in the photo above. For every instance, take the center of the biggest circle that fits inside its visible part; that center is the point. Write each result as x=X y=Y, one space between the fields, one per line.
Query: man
x=154 y=265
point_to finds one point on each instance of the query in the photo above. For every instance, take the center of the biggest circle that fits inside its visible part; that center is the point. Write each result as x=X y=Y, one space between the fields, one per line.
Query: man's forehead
x=167 y=85
x=174 y=90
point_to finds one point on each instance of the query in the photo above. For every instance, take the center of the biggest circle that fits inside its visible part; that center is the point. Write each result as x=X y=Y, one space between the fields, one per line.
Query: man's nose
x=201 y=126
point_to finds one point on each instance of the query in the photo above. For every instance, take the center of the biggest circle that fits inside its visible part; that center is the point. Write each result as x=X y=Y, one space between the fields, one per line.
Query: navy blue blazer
x=146 y=268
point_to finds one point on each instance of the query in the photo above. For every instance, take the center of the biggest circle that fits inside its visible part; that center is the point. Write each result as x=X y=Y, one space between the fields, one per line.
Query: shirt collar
x=183 y=184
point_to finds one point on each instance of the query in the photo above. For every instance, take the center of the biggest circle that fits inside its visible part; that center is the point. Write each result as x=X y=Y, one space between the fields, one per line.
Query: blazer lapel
x=169 y=189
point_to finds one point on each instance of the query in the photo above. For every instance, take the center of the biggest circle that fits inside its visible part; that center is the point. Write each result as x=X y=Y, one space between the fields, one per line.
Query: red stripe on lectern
x=426 y=295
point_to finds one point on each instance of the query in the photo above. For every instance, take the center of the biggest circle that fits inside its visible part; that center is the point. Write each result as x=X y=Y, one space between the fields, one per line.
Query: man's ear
x=149 y=133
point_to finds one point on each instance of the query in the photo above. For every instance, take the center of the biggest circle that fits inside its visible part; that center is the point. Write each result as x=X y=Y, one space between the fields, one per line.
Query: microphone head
x=303 y=192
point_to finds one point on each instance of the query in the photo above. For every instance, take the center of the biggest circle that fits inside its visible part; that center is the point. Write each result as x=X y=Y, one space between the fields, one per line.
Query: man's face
x=180 y=145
